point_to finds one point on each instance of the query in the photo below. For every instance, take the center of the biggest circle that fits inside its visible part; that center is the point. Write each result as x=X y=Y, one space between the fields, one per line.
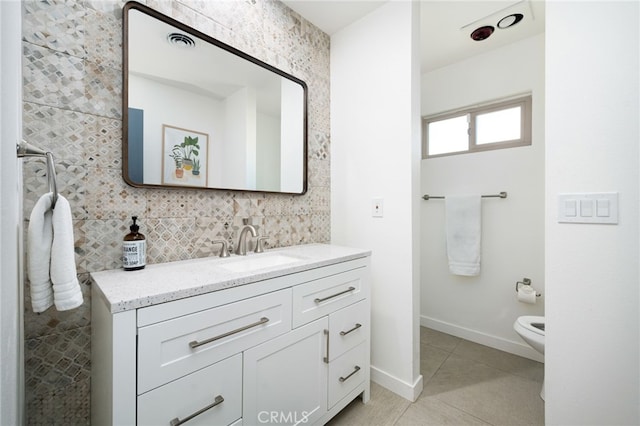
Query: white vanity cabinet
x=291 y=347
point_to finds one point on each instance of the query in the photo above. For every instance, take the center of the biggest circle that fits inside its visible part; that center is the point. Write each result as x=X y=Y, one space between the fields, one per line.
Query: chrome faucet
x=241 y=247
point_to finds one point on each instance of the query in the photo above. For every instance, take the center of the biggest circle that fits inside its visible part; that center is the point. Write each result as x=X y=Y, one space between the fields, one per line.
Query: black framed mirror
x=198 y=113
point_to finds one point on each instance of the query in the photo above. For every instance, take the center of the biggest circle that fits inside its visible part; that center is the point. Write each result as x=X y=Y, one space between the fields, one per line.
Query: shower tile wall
x=72 y=106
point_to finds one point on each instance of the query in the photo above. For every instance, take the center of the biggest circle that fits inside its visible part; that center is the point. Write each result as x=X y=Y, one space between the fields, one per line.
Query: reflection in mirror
x=202 y=114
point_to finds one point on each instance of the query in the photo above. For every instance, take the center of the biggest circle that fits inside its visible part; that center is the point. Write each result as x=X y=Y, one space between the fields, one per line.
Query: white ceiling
x=446 y=25
x=333 y=15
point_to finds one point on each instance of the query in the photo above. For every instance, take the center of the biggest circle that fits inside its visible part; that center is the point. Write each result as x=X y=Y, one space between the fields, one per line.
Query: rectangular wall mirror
x=198 y=113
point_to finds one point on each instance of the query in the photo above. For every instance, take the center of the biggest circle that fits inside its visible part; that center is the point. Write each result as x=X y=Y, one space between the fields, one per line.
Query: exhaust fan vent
x=181 y=40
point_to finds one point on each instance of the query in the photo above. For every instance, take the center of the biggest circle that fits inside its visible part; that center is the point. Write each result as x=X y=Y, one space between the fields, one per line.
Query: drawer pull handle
x=318 y=300
x=355 y=370
x=326 y=358
x=175 y=422
x=344 y=333
x=195 y=343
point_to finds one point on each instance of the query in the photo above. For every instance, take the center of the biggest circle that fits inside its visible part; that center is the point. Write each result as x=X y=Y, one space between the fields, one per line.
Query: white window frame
x=472 y=112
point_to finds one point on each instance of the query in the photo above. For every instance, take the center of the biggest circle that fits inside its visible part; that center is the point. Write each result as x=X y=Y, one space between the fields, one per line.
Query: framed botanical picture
x=184 y=156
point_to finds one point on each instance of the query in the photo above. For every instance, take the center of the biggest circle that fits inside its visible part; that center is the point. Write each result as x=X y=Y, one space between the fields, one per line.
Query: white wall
x=11 y=328
x=592 y=137
x=375 y=153
x=484 y=308
x=268 y=151
x=239 y=148
x=291 y=150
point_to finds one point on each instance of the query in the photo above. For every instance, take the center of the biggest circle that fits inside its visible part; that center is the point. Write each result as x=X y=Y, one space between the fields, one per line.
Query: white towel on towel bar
x=463 y=229
x=51 y=261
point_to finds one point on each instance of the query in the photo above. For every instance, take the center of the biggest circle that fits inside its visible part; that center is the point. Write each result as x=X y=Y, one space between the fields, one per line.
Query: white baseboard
x=397 y=386
x=516 y=348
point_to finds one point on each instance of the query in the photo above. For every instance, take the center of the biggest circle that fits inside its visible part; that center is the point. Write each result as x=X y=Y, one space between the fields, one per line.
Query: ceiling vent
x=181 y=40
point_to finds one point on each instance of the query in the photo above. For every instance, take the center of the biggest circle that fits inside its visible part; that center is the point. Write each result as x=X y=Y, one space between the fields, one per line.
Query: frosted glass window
x=450 y=135
x=498 y=126
x=492 y=125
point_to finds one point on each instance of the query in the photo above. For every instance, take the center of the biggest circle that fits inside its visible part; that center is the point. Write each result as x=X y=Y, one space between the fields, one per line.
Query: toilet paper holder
x=526 y=281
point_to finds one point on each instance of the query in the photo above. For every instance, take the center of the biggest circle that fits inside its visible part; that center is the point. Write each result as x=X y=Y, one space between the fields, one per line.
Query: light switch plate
x=377 y=207
x=588 y=207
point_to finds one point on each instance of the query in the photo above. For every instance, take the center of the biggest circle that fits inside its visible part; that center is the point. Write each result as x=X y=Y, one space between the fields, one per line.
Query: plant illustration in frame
x=184 y=159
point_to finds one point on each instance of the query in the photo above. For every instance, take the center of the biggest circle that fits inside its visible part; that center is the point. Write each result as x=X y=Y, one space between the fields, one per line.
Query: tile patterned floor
x=464 y=384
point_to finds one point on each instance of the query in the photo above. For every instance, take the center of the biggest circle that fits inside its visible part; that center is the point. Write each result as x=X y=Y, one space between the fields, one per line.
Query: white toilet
x=531 y=329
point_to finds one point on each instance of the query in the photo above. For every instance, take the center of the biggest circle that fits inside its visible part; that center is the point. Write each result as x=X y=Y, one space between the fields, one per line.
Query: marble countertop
x=164 y=282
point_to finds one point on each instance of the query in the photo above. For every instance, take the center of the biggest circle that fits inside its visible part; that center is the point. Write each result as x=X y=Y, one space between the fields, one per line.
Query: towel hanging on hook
x=25 y=149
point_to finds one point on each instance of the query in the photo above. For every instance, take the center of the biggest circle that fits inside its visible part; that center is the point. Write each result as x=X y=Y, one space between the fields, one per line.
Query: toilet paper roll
x=526 y=294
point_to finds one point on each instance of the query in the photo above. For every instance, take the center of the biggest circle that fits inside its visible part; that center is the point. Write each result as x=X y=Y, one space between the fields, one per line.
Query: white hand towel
x=39 y=240
x=51 y=262
x=66 y=289
x=463 y=224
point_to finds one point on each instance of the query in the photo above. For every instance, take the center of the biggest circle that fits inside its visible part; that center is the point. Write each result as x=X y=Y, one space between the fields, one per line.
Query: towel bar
x=427 y=197
x=25 y=149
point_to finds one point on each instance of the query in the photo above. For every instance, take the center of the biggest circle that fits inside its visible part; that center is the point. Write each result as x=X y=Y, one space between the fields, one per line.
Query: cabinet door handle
x=217 y=400
x=344 y=333
x=355 y=370
x=318 y=300
x=326 y=358
x=195 y=343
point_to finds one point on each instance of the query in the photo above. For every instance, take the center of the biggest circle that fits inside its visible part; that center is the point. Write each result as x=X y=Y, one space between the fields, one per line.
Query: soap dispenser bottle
x=134 y=249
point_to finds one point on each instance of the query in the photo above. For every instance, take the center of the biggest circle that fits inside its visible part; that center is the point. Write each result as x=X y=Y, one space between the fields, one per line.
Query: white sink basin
x=258 y=261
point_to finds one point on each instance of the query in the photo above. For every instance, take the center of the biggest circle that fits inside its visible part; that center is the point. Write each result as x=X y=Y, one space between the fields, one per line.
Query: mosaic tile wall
x=72 y=107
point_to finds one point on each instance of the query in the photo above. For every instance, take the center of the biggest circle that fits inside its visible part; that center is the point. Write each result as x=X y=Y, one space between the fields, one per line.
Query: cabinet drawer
x=219 y=384
x=171 y=349
x=346 y=373
x=318 y=298
x=347 y=328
